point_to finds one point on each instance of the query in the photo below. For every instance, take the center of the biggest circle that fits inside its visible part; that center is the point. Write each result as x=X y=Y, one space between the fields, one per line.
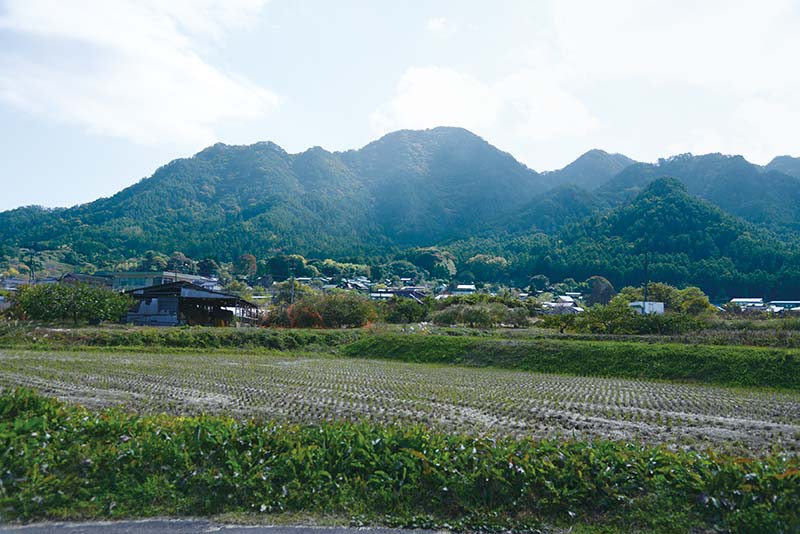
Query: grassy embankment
x=168 y=339
x=61 y=461
x=730 y=366
x=743 y=366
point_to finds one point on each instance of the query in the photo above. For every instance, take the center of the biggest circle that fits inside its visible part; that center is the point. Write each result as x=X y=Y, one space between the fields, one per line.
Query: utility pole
x=646 y=281
x=32 y=268
x=291 y=291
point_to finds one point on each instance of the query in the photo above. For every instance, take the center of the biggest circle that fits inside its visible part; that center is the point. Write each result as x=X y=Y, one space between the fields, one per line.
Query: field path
x=303 y=388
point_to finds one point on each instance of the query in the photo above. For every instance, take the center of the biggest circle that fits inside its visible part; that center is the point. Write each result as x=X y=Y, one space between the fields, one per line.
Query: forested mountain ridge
x=409 y=188
x=446 y=188
x=785 y=164
x=765 y=197
x=687 y=240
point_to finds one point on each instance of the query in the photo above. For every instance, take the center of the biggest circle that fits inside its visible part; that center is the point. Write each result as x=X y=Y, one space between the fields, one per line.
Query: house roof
x=188 y=290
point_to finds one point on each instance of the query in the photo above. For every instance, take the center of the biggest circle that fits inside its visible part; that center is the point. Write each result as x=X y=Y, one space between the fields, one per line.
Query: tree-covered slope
x=442 y=183
x=550 y=211
x=686 y=239
x=770 y=198
x=409 y=188
x=786 y=165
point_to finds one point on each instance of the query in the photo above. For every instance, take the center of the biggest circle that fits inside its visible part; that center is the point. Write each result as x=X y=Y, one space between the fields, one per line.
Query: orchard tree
x=75 y=302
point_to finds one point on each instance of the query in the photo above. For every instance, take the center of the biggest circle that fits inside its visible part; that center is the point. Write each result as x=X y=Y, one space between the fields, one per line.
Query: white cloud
x=437 y=24
x=129 y=69
x=738 y=53
x=532 y=106
x=433 y=96
x=645 y=77
x=543 y=108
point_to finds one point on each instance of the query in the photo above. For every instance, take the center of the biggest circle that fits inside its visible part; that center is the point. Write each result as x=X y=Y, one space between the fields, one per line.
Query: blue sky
x=97 y=94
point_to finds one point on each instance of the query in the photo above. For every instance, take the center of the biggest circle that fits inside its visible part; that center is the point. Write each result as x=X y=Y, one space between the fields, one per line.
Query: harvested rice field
x=307 y=388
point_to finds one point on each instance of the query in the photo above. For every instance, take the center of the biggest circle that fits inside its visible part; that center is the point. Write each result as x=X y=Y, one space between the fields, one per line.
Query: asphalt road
x=186 y=526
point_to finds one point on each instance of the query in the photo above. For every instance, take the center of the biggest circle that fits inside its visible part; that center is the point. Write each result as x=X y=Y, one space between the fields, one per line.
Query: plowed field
x=308 y=388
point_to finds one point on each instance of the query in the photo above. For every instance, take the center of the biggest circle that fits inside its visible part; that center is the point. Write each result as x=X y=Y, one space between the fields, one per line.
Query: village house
x=562 y=304
x=784 y=305
x=749 y=304
x=184 y=303
x=88 y=279
x=416 y=293
x=464 y=289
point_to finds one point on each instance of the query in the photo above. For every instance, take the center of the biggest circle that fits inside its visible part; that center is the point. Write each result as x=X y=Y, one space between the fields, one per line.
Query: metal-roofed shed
x=184 y=303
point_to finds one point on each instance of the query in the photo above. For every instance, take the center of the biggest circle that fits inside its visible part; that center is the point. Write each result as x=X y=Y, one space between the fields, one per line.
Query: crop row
x=313 y=389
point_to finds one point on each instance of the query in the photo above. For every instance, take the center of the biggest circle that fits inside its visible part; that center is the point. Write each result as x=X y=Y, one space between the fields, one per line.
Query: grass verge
x=174 y=338
x=729 y=366
x=62 y=461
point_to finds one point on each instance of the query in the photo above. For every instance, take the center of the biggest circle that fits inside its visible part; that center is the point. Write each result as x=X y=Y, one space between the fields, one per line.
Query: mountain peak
x=785 y=164
x=591 y=169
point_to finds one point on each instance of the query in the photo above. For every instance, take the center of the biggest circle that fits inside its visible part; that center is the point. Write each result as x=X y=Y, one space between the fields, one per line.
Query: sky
x=97 y=94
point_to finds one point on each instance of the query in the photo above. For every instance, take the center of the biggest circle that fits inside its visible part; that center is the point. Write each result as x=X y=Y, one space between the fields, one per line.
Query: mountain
x=440 y=184
x=590 y=170
x=770 y=198
x=409 y=188
x=786 y=165
x=714 y=221
x=688 y=241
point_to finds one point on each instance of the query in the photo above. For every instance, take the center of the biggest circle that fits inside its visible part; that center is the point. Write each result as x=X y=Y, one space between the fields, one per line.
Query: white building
x=464 y=289
x=750 y=304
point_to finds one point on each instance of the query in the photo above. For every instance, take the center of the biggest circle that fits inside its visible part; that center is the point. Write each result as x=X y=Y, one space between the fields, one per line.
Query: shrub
x=405 y=310
x=484 y=315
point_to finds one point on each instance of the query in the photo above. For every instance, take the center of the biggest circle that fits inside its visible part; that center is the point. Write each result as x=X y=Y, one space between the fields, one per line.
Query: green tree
x=153 y=261
x=181 y=263
x=207 y=267
x=602 y=290
x=75 y=302
x=245 y=266
x=405 y=310
x=346 y=309
x=487 y=268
